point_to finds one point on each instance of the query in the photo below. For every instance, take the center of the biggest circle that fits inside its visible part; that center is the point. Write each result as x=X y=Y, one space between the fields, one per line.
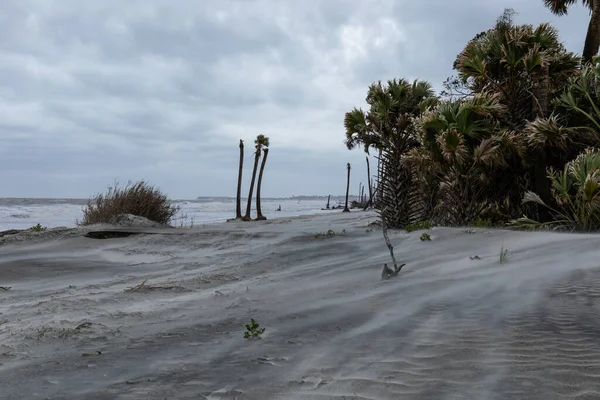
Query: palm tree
x=346 y=209
x=576 y=191
x=582 y=98
x=388 y=126
x=592 y=39
x=265 y=144
x=522 y=64
x=465 y=149
x=238 y=206
x=525 y=67
x=259 y=143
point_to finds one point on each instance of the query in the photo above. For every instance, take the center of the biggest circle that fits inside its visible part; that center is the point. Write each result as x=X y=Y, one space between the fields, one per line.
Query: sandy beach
x=77 y=323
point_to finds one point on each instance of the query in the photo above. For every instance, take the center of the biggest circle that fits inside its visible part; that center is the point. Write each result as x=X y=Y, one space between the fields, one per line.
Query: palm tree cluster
x=261 y=144
x=516 y=133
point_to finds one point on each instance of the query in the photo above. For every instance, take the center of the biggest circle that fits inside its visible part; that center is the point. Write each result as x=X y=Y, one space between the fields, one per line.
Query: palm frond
x=544 y=133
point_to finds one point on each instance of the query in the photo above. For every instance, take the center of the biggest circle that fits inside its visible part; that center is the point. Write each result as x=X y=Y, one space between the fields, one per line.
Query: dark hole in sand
x=109 y=234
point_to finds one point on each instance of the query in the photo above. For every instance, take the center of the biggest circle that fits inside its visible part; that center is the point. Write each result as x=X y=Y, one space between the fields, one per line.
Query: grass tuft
x=38 y=228
x=503 y=255
x=418 y=226
x=480 y=223
x=140 y=198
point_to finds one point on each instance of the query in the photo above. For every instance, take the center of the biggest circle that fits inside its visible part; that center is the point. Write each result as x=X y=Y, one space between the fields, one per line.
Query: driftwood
x=387 y=272
x=142 y=287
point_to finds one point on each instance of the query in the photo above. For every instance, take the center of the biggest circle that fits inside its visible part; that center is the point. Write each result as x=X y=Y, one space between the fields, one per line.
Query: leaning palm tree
x=259 y=142
x=265 y=144
x=592 y=39
x=346 y=209
x=238 y=205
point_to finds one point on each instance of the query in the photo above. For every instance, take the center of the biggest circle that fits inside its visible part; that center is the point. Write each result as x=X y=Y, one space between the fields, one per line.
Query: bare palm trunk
x=378 y=174
x=249 y=206
x=370 y=185
x=346 y=209
x=238 y=206
x=259 y=215
x=592 y=39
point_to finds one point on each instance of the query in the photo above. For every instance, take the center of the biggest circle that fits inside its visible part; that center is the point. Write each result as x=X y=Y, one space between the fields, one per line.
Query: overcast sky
x=93 y=91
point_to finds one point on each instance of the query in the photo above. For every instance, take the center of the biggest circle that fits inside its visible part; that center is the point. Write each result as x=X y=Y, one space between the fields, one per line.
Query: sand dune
x=77 y=323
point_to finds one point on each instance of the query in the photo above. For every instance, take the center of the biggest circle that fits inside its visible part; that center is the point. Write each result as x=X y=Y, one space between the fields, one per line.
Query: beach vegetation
x=425 y=237
x=480 y=223
x=503 y=255
x=346 y=209
x=417 y=226
x=253 y=330
x=262 y=146
x=260 y=143
x=388 y=125
x=576 y=192
x=592 y=39
x=38 y=228
x=238 y=198
x=513 y=139
x=140 y=199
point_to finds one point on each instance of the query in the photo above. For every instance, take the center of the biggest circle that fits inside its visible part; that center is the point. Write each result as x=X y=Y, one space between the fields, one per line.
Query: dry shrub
x=141 y=199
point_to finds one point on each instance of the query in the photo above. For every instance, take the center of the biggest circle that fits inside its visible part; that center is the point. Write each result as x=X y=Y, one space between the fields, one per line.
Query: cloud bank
x=96 y=91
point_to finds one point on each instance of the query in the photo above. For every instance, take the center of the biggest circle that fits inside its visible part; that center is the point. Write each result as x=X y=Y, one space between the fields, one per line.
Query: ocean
x=18 y=213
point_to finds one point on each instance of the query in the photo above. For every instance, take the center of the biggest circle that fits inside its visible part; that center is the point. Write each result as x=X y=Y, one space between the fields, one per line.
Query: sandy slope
x=448 y=328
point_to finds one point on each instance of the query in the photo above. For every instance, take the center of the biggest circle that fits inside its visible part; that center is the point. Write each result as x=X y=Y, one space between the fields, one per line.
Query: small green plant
x=480 y=223
x=369 y=230
x=576 y=190
x=38 y=228
x=329 y=233
x=425 y=237
x=253 y=330
x=418 y=226
x=503 y=255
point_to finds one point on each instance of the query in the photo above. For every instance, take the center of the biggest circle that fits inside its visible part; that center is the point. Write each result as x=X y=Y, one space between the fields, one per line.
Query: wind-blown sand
x=447 y=327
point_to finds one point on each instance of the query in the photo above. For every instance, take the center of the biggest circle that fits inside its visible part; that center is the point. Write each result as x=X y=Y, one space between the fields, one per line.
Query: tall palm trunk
x=259 y=215
x=370 y=202
x=592 y=39
x=249 y=206
x=346 y=209
x=238 y=206
x=378 y=173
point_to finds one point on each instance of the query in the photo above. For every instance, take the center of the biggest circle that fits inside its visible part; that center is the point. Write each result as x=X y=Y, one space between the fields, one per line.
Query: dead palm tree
x=238 y=205
x=592 y=39
x=346 y=209
x=265 y=144
x=259 y=143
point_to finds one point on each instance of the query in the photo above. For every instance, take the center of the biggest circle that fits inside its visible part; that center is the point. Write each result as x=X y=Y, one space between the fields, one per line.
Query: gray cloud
x=93 y=91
